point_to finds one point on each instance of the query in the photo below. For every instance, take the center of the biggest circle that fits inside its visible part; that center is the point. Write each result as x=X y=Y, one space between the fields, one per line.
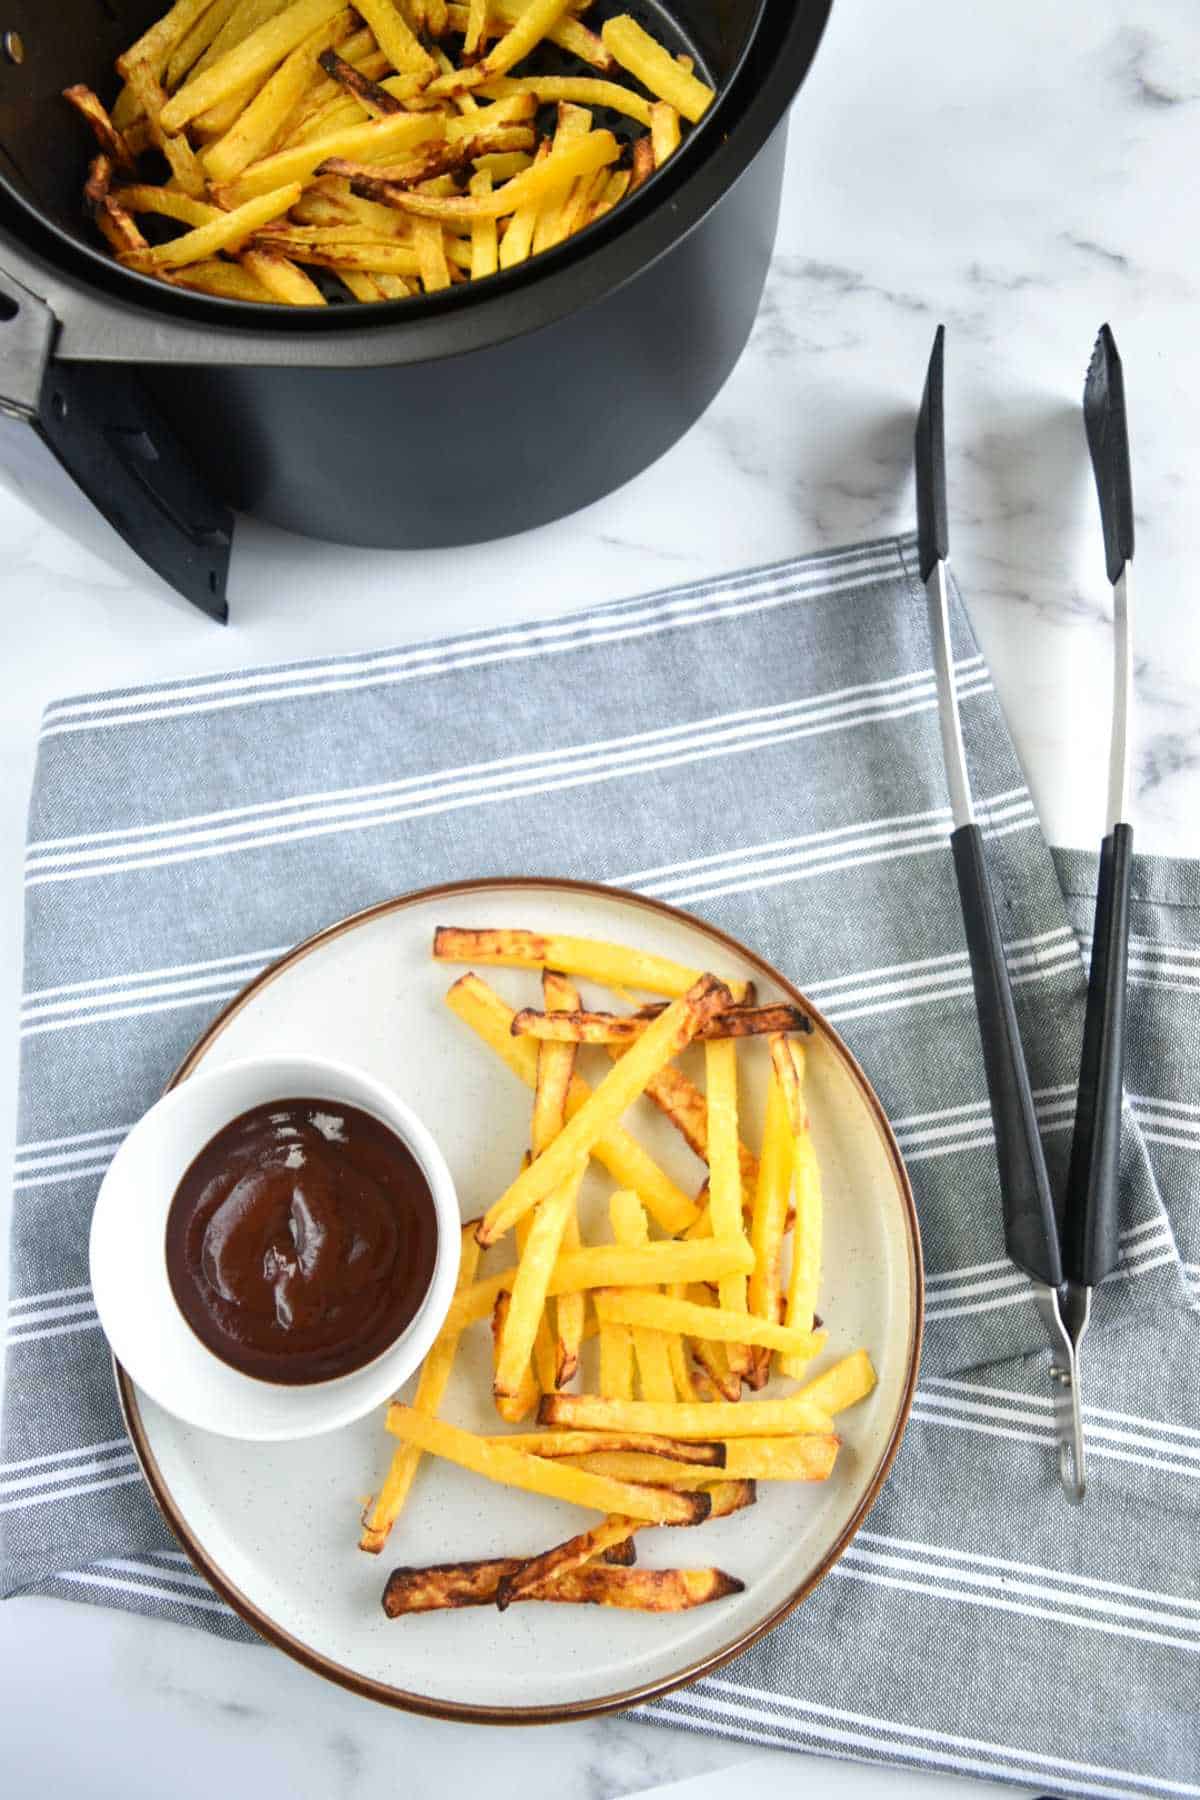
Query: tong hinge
x=1066 y=1312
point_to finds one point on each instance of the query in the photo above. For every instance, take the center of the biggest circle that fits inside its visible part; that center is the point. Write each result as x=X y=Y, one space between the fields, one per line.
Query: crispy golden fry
x=677 y=1350
x=374 y=98
x=748 y=1459
x=712 y=1359
x=371 y=258
x=656 y=68
x=649 y=1346
x=476 y=25
x=195 y=42
x=769 y=1220
x=664 y=131
x=643 y=164
x=383 y=1512
x=224 y=233
x=227 y=280
x=540 y=1474
x=804 y=1284
x=397 y=41
x=249 y=60
x=118 y=228
x=591 y=958
x=703 y=1455
x=725 y=1179
x=729 y=1497
x=140 y=197
x=180 y=156
x=111 y=141
x=517 y=1404
x=667 y=1036
x=99 y=179
x=843 y=1385
x=542 y=1571
x=681 y=1101
x=548 y=177
x=154 y=47
x=610 y=1265
x=583 y=90
x=567 y=32
x=281 y=278
x=616 y=1362
x=430 y=247
x=259 y=125
x=558 y=992
x=624 y=1028
x=556 y=1067
x=640 y=1308
x=373 y=138
x=245 y=17
x=361 y=284
x=630 y=1166
x=762 y=1418
x=438 y=157
x=527 y=1313
x=596 y=1584
x=221 y=118
x=522 y=37
x=615 y=188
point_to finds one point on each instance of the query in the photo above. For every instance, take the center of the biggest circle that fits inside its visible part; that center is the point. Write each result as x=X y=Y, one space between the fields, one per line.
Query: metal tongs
x=1064 y=1262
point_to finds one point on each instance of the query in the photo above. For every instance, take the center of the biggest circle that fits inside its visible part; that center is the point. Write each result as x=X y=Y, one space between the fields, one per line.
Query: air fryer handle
x=98 y=423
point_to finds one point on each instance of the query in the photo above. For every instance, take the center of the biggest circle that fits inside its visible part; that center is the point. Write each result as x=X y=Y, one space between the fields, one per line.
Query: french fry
x=227 y=280
x=698 y=1454
x=681 y=1101
x=681 y=1374
x=567 y=33
x=611 y=1265
x=154 y=47
x=225 y=233
x=112 y=142
x=792 y=1417
x=361 y=284
x=371 y=96
x=255 y=56
x=476 y=25
x=527 y=1313
x=245 y=17
x=583 y=90
x=847 y=1382
x=642 y=164
x=616 y=1362
x=804 y=1283
x=141 y=197
x=518 y=1402
x=649 y=1345
x=371 y=258
x=656 y=68
x=432 y=266
x=667 y=1036
x=664 y=131
x=382 y=1513
x=260 y=123
x=554 y=1085
x=591 y=958
x=192 y=45
x=582 y=1027
x=729 y=1497
x=544 y=1570
x=399 y=44
x=767 y=1225
x=179 y=154
x=596 y=1584
x=748 y=1459
x=556 y=1066
x=617 y=1151
x=373 y=138
x=643 y=1309
x=523 y=36
x=541 y=1475
x=281 y=278
x=725 y=1180
x=712 y=1358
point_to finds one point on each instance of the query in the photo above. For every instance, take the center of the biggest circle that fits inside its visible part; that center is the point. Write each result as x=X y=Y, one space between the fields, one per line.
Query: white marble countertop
x=1022 y=172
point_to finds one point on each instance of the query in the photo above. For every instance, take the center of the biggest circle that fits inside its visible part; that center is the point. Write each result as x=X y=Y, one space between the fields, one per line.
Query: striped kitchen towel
x=764 y=750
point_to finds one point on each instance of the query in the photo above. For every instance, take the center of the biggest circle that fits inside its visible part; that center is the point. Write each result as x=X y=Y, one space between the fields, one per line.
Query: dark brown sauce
x=301 y=1241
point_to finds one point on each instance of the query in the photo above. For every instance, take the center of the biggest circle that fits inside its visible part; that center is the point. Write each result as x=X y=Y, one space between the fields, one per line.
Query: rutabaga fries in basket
x=241 y=97
x=682 y=1321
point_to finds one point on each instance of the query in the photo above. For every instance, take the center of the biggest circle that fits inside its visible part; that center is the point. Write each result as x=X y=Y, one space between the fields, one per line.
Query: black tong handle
x=1030 y=1231
x=1092 y=1220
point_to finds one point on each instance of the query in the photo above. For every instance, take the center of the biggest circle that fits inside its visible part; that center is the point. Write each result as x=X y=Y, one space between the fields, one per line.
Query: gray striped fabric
x=763 y=750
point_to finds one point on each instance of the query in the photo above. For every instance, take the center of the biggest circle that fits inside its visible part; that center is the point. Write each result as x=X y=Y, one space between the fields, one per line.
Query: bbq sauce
x=301 y=1241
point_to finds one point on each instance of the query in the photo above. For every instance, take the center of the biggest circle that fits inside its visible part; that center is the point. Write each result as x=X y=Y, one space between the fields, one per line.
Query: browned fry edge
x=347 y=76
x=453 y=1586
x=480 y=891
x=613 y=1028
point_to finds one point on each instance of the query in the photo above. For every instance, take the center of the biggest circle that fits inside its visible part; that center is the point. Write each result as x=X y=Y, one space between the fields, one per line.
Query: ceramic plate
x=274 y=1526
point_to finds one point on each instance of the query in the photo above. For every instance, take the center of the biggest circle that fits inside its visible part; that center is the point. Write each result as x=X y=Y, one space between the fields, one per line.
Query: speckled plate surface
x=274 y=1527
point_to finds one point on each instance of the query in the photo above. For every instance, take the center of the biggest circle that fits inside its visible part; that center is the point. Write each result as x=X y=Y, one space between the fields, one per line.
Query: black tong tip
x=933 y=533
x=1108 y=441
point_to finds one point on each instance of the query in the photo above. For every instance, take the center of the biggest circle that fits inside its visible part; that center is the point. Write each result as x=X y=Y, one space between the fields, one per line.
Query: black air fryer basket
x=437 y=420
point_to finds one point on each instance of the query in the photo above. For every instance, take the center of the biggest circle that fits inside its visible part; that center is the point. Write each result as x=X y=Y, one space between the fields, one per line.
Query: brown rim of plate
x=369 y=1688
